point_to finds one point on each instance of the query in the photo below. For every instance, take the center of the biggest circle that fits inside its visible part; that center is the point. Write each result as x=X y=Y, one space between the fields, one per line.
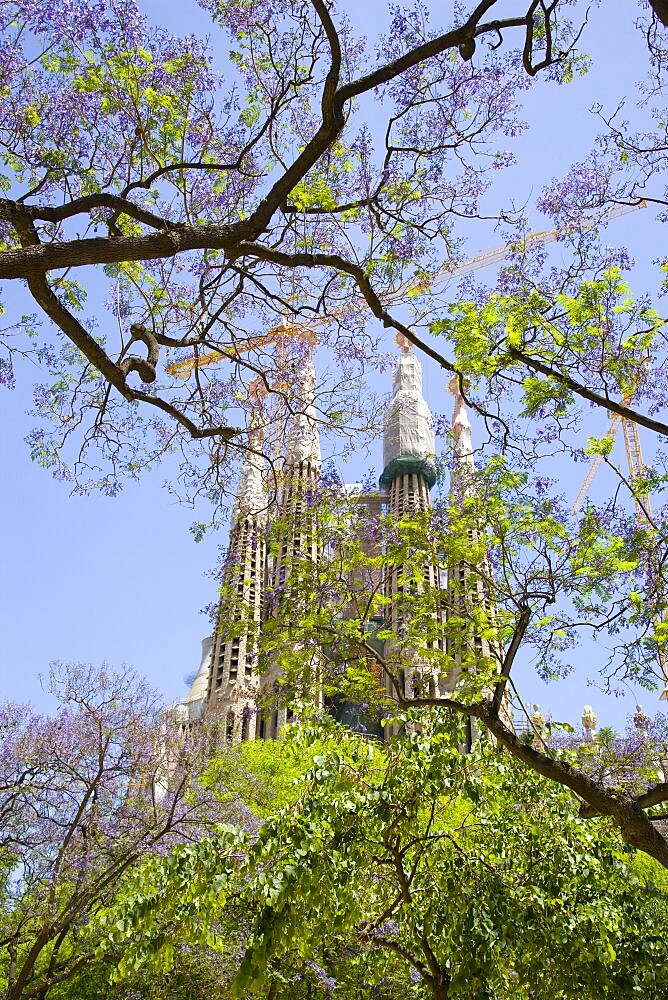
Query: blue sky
x=93 y=578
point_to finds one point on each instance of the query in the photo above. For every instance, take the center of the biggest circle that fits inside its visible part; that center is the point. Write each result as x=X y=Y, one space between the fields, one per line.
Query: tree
x=218 y=211
x=85 y=795
x=411 y=870
x=218 y=207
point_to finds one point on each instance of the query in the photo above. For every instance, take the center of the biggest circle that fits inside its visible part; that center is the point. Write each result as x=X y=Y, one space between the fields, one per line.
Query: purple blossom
x=88 y=792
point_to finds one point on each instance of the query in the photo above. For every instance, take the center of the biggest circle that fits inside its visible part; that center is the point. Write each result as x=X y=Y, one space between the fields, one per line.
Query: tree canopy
x=315 y=180
x=316 y=185
x=410 y=870
x=85 y=795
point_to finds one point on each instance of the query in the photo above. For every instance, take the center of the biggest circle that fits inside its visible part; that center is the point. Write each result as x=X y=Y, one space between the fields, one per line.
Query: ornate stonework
x=408 y=426
x=228 y=682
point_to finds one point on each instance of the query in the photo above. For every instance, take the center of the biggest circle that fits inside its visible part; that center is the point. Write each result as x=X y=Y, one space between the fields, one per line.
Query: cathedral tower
x=234 y=682
x=301 y=472
x=258 y=578
x=296 y=541
x=471 y=605
x=408 y=475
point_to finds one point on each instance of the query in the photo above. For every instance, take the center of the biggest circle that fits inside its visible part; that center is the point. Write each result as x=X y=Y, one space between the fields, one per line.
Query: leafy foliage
x=85 y=795
x=414 y=866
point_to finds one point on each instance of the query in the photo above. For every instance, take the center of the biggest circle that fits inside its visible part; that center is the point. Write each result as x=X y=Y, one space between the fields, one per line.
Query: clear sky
x=93 y=578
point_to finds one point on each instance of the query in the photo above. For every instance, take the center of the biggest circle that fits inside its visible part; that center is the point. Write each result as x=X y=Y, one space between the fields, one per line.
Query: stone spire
x=297 y=537
x=302 y=438
x=462 y=451
x=233 y=681
x=251 y=495
x=408 y=426
x=408 y=453
x=471 y=609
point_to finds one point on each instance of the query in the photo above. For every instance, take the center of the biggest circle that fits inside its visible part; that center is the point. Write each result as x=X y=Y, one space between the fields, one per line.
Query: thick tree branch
x=509 y=658
x=652 y=797
x=11 y=210
x=435 y=46
x=636 y=828
x=334 y=101
x=594 y=397
x=26 y=262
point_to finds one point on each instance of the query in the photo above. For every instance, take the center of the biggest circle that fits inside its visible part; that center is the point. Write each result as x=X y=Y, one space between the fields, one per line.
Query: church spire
x=233 y=676
x=408 y=427
x=302 y=438
x=462 y=451
x=471 y=616
x=297 y=536
x=408 y=453
x=251 y=495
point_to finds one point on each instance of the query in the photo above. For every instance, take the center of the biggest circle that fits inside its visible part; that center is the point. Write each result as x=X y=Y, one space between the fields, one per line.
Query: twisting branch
x=12 y=210
x=114 y=373
x=509 y=658
x=637 y=829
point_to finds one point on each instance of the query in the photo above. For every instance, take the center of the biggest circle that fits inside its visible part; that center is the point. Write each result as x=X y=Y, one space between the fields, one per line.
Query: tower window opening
x=229 y=726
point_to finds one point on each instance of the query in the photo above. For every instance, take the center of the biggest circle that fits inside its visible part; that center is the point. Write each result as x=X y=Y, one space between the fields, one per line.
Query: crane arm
x=181 y=369
x=488 y=257
x=277 y=334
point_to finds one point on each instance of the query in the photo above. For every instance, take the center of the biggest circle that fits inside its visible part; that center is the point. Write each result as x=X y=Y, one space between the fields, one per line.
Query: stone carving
x=303 y=440
x=589 y=722
x=538 y=720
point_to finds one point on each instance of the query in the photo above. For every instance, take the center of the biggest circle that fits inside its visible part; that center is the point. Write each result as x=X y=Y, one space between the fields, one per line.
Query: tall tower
x=409 y=445
x=301 y=472
x=457 y=618
x=408 y=475
x=296 y=543
x=471 y=607
x=233 y=678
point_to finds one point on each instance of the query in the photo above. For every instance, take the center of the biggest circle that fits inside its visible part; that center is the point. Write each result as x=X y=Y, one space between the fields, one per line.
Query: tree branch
x=594 y=397
x=11 y=210
x=509 y=658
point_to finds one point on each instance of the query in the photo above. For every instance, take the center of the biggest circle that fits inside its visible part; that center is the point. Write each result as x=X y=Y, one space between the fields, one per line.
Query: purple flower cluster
x=323 y=979
x=100 y=783
x=632 y=762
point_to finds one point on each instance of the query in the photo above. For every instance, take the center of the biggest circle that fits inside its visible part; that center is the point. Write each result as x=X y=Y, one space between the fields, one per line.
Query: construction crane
x=286 y=331
x=635 y=463
x=278 y=335
x=488 y=257
x=641 y=498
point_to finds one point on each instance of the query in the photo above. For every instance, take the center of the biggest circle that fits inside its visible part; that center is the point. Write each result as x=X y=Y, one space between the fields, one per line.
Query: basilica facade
x=232 y=684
